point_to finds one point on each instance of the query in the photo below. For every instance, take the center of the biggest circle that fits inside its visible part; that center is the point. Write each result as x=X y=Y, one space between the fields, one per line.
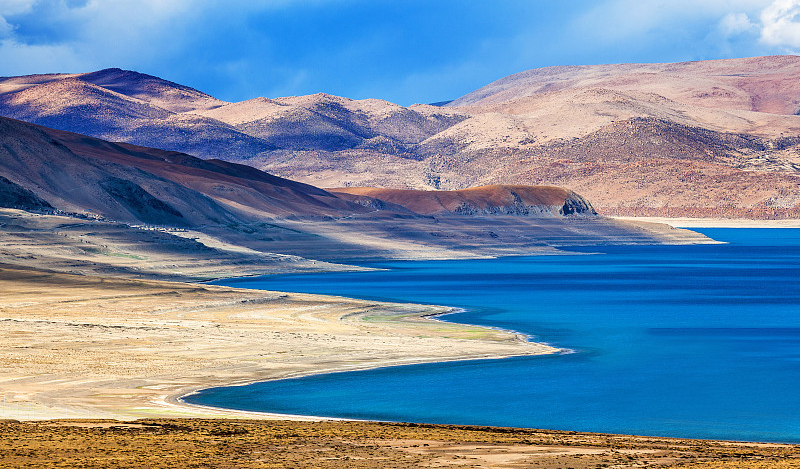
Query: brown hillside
x=78 y=204
x=761 y=84
x=712 y=137
x=486 y=200
x=76 y=173
x=636 y=139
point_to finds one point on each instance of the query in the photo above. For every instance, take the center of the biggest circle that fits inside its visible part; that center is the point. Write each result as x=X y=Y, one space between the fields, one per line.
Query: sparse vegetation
x=278 y=444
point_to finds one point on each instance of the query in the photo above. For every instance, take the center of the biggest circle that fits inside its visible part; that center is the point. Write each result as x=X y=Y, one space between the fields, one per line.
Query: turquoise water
x=686 y=341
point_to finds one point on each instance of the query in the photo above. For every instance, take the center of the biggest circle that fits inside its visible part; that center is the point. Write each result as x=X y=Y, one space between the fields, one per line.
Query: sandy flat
x=95 y=247
x=715 y=222
x=92 y=347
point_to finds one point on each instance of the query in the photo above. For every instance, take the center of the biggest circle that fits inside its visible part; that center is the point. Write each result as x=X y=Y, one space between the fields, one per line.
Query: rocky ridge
x=521 y=201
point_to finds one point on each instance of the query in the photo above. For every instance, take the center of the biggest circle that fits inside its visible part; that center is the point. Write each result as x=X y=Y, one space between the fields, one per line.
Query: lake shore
x=76 y=346
x=715 y=222
x=118 y=340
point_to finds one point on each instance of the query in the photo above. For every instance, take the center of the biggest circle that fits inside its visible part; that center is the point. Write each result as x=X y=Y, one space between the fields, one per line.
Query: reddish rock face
x=487 y=200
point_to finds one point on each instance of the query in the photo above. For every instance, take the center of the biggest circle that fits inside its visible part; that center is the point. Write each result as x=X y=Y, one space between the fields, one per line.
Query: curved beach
x=90 y=347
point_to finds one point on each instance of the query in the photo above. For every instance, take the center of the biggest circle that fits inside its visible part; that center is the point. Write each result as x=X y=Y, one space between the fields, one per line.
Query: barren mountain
x=761 y=84
x=703 y=139
x=123 y=182
x=206 y=218
x=141 y=109
x=711 y=138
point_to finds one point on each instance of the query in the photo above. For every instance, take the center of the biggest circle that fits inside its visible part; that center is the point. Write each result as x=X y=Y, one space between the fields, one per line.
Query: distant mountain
x=46 y=169
x=125 y=106
x=758 y=84
x=709 y=138
x=704 y=139
x=122 y=105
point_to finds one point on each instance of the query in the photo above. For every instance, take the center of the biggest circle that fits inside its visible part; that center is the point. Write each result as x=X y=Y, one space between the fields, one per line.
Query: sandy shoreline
x=179 y=399
x=74 y=346
x=715 y=222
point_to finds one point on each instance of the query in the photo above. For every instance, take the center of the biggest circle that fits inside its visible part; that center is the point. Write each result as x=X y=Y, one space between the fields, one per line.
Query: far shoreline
x=685 y=222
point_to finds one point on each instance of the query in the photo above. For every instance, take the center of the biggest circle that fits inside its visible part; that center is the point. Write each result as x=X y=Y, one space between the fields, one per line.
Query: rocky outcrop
x=14 y=196
x=495 y=200
x=574 y=204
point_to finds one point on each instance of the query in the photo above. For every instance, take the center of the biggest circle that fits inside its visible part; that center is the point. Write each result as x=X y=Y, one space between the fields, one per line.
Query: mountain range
x=706 y=139
x=43 y=168
x=76 y=203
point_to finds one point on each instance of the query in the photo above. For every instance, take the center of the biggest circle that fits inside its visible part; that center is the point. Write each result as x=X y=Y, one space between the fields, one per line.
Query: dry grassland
x=189 y=443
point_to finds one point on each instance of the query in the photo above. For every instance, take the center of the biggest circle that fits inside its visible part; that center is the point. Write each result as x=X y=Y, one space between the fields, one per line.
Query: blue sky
x=404 y=51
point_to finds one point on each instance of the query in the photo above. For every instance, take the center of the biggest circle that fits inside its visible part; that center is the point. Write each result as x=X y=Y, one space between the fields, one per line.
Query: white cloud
x=84 y=35
x=736 y=23
x=15 y=7
x=6 y=29
x=632 y=23
x=230 y=41
x=780 y=23
x=24 y=59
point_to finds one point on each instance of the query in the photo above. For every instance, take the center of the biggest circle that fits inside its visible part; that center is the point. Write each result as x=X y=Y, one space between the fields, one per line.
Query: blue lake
x=685 y=341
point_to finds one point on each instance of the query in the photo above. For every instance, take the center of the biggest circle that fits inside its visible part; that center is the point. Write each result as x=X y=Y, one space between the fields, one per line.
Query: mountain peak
x=110 y=77
x=154 y=90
